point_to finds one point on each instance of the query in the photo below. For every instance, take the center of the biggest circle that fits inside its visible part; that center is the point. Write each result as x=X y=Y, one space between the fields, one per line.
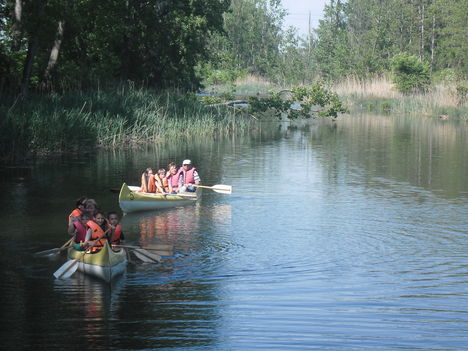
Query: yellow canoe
x=104 y=264
x=130 y=200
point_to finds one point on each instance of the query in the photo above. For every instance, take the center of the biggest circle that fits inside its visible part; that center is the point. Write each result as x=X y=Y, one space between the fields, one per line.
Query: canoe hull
x=132 y=201
x=105 y=264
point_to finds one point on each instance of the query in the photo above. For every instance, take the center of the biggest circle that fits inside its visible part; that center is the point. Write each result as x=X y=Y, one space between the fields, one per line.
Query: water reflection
x=91 y=303
x=179 y=227
x=422 y=152
x=339 y=235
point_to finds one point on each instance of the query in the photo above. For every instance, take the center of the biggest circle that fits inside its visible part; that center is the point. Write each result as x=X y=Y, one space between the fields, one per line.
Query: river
x=347 y=235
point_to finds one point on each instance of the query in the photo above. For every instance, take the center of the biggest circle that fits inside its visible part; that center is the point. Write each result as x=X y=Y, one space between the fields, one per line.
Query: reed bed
x=122 y=118
x=379 y=93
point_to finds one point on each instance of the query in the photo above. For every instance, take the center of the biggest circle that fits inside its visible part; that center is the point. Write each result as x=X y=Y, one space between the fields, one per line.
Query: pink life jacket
x=188 y=176
x=173 y=179
x=80 y=231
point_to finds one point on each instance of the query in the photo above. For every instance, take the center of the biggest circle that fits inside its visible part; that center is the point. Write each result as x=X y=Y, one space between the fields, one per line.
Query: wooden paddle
x=219 y=188
x=146 y=256
x=56 y=250
x=154 y=251
x=162 y=247
x=70 y=267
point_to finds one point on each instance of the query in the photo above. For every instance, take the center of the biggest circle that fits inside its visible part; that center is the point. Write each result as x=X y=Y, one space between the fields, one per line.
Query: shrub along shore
x=125 y=117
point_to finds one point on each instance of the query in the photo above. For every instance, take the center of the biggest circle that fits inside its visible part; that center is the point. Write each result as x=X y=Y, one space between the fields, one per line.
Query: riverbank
x=119 y=118
x=444 y=100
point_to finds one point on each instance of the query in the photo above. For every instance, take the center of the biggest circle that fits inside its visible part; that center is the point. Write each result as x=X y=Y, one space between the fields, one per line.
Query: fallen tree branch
x=229 y=103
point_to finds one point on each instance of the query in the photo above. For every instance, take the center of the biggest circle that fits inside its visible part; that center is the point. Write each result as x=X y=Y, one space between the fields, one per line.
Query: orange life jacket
x=76 y=213
x=162 y=183
x=117 y=235
x=147 y=183
x=96 y=232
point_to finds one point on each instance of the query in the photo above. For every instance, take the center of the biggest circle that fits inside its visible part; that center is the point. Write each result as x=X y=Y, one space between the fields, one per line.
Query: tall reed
x=121 y=118
x=441 y=98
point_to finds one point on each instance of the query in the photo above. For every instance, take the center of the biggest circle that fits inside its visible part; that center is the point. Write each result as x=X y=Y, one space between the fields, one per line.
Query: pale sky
x=299 y=13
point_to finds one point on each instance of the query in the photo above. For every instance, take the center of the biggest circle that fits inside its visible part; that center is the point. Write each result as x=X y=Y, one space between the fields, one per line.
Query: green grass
x=120 y=118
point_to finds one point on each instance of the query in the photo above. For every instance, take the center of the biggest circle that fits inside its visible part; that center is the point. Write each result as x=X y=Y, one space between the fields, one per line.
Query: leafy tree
x=68 y=44
x=410 y=74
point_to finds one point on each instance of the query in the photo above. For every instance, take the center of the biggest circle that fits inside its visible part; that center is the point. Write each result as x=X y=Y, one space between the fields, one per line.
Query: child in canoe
x=78 y=229
x=147 y=181
x=162 y=186
x=80 y=207
x=98 y=229
x=116 y=235
x=172 y=176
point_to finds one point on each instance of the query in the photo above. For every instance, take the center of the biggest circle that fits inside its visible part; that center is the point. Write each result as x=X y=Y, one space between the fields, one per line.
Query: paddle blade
x=47 y=252
x=162 y=247
x=223 y=189
x=66 y=270
x=146 y=256
x=163 y=253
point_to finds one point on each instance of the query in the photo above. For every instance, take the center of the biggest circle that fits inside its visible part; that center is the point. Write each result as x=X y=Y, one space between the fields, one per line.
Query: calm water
x=345 y=236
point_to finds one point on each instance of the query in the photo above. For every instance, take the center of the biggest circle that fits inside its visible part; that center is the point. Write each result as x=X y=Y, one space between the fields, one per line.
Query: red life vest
x=96 y=232
x=188 y=176
x=117 y=235
x=80 y=231
x=76 y=213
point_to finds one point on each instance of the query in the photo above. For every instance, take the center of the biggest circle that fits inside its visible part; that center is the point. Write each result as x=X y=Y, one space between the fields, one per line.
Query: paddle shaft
x=158 y=252
x=55 y=250
x=219 y=188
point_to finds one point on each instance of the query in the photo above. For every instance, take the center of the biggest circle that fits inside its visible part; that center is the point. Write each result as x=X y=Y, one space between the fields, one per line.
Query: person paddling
x=189 y=177
x=97 y=228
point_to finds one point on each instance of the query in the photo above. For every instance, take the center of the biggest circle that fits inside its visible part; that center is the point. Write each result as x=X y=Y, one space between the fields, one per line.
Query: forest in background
x=53 y=45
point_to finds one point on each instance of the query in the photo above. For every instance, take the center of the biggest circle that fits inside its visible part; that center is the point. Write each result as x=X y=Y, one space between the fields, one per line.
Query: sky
x=299 y=14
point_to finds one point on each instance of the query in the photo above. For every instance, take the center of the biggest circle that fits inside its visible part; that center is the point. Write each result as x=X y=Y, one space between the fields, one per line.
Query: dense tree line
x=54 y=44
x=58 y=45
x=362 y=36
x=354 y=37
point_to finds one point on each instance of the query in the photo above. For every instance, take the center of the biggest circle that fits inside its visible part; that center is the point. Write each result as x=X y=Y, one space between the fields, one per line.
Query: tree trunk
x=46 y=84
x=32 y=50
x=421 y=39
x=432 y=42
x=17 y=25
x=33 y=46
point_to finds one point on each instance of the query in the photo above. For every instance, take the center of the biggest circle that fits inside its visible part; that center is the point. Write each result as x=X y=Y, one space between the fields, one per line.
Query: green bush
x=410 y=74
x=303 y=102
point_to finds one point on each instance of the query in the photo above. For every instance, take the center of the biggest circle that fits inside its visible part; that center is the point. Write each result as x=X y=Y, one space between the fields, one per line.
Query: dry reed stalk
x=251 y=79
x=440 y=95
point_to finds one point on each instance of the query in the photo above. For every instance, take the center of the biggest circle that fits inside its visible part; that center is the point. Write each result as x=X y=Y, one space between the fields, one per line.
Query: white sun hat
x=186 y=162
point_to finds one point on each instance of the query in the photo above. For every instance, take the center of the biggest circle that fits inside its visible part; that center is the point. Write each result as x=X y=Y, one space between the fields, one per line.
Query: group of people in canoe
x=90 y=228
x=171 y=181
